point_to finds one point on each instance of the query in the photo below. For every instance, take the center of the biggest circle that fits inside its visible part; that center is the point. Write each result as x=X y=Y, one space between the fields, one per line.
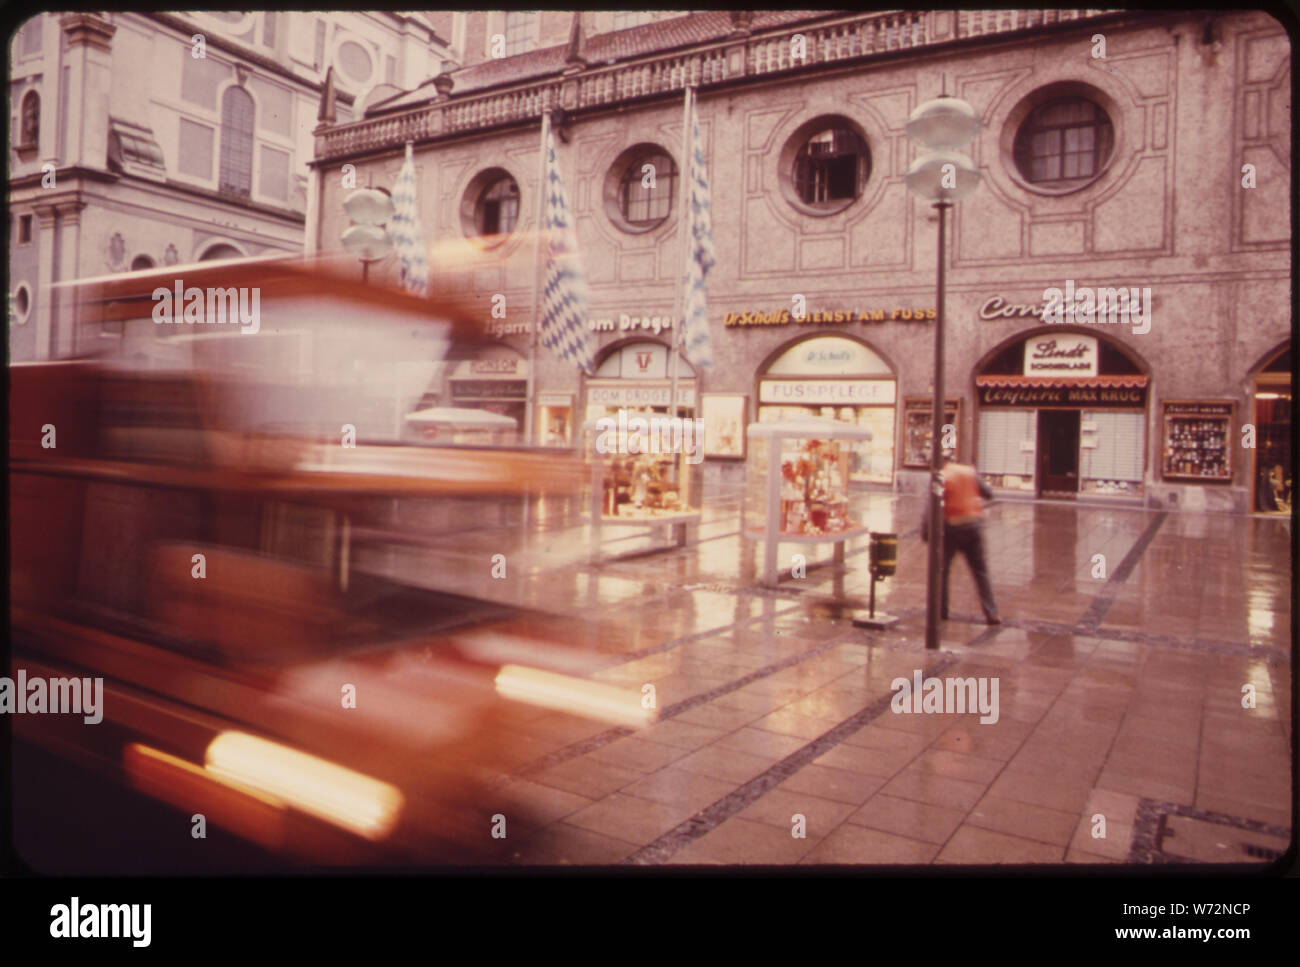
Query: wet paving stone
x=1119 y=696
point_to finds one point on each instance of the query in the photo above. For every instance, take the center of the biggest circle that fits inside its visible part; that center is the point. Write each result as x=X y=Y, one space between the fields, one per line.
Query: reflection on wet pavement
x=1133 y=643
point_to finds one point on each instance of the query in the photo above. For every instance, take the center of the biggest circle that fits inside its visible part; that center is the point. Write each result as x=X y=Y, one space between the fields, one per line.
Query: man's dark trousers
x=968 y=539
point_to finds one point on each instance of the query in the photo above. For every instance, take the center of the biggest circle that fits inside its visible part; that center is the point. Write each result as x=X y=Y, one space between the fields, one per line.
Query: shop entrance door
x=1273 y=448
x=1058 y=453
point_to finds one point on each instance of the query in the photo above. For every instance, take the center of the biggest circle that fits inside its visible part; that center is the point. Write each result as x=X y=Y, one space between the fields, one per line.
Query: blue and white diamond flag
x=563 y=325
x=405 y=232
x=696 y=343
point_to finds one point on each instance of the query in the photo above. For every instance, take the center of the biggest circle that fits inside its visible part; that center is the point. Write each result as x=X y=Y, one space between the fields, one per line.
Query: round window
x=354 y=61
x=641 y=188
x=1064 y=143
x=21 y=304
x=824 y=166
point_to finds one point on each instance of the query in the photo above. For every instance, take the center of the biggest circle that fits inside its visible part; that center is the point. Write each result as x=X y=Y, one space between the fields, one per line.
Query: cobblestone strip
x=709 y=818
x=1106 y=597
x=1207 y=646
x=1145 y=850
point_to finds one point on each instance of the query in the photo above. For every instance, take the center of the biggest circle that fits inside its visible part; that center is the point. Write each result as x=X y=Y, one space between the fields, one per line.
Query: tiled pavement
x=1121 y=735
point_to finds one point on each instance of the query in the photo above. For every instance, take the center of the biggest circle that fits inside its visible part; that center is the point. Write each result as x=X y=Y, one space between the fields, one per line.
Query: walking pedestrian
x=964 y=493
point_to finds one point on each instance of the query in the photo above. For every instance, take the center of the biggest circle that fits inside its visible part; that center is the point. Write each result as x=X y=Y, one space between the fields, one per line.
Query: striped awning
x=1062 y=382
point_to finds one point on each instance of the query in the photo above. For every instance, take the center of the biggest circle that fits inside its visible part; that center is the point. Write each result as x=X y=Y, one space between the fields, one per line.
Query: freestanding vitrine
x=797 y=486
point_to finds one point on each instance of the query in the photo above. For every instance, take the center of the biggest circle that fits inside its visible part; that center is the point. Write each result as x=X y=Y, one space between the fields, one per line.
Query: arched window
x=498 y=208
x=29 y=131
x=236 y=142
x=221 y=251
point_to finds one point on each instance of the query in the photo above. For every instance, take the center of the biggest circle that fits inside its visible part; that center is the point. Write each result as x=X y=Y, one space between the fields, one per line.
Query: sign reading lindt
x=1061 y=355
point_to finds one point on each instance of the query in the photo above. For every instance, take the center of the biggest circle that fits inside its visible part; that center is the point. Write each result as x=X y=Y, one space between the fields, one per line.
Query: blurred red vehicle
x=189 y=538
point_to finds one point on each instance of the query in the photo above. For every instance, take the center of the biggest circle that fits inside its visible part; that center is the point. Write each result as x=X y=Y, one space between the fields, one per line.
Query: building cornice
x=88 y=29
x=62 y=175
x=833 y=46
x=69 y=175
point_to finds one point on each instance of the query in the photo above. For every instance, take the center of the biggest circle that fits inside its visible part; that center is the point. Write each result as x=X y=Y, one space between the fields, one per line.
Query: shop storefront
x=1061 y=414
x=637 y=377
x=1271 y=409
x=555 y=419
x=497 y=382
x=837 y=378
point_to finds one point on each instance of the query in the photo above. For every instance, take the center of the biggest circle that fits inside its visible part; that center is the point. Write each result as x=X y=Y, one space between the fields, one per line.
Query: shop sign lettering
x=1090 y=396
x=997 y=307
x=1061 y=356
x=782 y=317
x=493 y=366
x=626 y=323
x=826 y=391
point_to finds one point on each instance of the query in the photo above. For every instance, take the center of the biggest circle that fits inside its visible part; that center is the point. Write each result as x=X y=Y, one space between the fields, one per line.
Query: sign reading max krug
x=1092 y=397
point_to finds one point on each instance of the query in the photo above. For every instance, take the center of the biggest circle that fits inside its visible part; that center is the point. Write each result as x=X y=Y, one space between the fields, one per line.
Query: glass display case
x=797 y=485
x=918 y=427
x=641 y=465
x=1198 y=441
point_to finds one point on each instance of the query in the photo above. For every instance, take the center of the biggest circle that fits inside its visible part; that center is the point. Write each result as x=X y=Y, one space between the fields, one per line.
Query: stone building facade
x=1141 y=150
x=142 y=139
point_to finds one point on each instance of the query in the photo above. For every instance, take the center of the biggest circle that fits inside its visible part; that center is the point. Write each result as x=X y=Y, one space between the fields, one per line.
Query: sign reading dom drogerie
x=783 y=317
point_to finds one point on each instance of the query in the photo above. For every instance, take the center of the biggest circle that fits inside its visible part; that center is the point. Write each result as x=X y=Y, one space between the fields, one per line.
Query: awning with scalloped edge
x=1137 y=381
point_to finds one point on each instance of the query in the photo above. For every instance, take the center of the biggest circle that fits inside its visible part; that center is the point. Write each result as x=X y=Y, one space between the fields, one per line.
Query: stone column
x=44 y=294
x=64 y=333
x=89 y=55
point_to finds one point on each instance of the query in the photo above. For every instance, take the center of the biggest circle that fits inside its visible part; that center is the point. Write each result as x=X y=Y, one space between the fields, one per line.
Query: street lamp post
x=941 y=175
x=366 y=238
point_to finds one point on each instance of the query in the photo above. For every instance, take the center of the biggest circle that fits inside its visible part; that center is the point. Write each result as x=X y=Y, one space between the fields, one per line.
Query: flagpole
x=684 y=184
x=537 y=282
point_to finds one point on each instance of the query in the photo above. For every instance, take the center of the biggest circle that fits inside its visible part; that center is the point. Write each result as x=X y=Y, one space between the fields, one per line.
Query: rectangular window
x=268 y=29
x=1003 y=434
x=320 y=44
x=274 y=181
x=24 y=229
x=390 y=69
x=195 y=155
x=521 y=31
x=1117 y=445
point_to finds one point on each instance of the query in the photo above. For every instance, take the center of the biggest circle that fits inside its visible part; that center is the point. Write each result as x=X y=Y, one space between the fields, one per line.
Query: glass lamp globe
x=943 y=124
x=367 y=242
x=931 y=177
x=368 y=206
